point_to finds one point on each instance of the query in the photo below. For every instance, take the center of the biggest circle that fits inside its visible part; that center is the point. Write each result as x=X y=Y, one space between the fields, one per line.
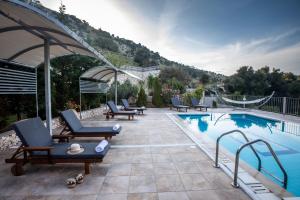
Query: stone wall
x=10 y=139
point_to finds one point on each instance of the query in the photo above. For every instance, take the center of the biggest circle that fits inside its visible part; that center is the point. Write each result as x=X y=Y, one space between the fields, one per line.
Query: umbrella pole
x=47 y=85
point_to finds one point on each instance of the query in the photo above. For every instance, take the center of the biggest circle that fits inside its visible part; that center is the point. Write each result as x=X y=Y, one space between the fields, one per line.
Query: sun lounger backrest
x=175 y=101
x=32 y=132
x=72 y=120
x=112 y=106
x=125 y=103
x=195 y=101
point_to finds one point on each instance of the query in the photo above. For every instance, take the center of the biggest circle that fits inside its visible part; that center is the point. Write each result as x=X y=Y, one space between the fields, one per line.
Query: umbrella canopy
x=24 y=29
x=29 y=36
x=104 y=73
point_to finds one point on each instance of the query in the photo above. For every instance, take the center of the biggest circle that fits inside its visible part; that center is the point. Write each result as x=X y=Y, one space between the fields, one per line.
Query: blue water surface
x=284 y=138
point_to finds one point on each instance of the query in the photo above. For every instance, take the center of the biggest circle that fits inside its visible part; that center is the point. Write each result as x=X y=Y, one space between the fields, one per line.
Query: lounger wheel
x=17 y=170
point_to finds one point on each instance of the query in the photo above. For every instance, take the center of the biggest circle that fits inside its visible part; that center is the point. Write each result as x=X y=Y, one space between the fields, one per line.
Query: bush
x=214 y=104
x=142 y=98
x=157 y=93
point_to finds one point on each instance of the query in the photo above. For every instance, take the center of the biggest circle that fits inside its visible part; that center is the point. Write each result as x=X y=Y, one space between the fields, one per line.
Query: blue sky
x=213 y=35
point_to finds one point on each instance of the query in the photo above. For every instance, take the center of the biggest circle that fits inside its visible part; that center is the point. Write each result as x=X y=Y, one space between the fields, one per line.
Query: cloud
x=166 y=35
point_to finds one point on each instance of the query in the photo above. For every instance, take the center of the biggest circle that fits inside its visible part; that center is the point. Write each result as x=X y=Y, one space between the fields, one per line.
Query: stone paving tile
x=164 y=168
x=187 y=157
x=142 y=169
x=161 y=158
x=117 y=184
x=169 y=183
x=142 y=196
x=139 y=184
x=217 y=195
x=218 y=180
x=142 y=158
x=119 y=170
x=187 y=167
x=173 y=196
x=112 y=197
x=195 y=182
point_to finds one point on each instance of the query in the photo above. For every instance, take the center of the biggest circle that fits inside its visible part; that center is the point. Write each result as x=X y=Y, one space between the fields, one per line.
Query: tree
x=157 y=93
x=62 y=12
x=142 y=57
x=142 y=97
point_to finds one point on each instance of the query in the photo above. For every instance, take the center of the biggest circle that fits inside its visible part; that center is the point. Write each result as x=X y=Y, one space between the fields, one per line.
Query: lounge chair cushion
x=98 y=130
x=125 y=103
x=112 y=107
x=32 y=132
x=72 y=120
x=115 y=110
x=60 y=151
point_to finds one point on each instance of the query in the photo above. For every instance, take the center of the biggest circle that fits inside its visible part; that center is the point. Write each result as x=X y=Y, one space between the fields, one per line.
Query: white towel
x=101 y=146
x=135 y=111
x=116 y=127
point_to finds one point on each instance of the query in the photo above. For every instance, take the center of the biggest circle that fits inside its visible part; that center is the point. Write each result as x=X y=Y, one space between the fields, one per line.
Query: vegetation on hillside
x=247 y=81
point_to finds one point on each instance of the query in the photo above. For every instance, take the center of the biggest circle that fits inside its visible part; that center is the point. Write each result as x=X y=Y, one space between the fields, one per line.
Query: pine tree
x=157 y=92
x=142 y=98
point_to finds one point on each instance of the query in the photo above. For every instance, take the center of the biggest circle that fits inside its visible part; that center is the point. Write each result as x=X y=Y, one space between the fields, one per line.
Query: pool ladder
x=259 y=168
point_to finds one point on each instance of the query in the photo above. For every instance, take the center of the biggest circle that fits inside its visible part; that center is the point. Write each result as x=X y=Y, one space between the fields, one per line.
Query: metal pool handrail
x=237 y=157
x=243 y=134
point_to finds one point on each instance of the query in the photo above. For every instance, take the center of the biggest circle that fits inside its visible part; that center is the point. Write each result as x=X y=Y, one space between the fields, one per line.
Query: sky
x=213 y=35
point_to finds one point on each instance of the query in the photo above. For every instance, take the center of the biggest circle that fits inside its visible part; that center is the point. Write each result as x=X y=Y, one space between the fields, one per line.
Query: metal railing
x=237 y=157
x=245 y=137
x=282 y=105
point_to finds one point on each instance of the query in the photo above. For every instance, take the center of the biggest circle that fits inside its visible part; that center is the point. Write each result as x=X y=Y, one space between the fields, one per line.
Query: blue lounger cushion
x=115 y=110
x=76 y=127
x=60 y=151
x=32 y=132
x=96 y=130
x=176 y=103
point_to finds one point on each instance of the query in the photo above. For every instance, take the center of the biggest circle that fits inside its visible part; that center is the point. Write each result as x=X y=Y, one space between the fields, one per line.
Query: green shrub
x=142 y=98
x=214 y=104
x=157 y=93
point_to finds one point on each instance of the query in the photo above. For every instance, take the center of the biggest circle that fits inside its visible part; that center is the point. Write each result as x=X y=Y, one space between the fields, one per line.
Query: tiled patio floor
x=151 y=159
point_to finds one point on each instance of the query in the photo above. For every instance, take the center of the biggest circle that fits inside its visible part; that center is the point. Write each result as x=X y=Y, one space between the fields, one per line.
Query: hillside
x=120 y=51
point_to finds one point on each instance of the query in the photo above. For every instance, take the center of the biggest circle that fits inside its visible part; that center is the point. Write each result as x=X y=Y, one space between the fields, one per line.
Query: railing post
x=284 y=105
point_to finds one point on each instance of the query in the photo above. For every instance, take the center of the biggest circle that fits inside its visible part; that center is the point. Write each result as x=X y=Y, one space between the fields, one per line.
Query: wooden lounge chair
x=115 y=111
x=76 y=129
x=196 y=104
x=176 y=104
x=128 y=107
x=38 y=147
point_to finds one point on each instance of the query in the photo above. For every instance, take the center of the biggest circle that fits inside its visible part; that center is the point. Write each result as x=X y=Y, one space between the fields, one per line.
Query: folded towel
x=143 y=107
x=116 y=127
x=135 y=111
x=101 y=146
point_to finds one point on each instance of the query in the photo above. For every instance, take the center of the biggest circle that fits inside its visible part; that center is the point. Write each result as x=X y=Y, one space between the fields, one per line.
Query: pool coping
x=249 y=184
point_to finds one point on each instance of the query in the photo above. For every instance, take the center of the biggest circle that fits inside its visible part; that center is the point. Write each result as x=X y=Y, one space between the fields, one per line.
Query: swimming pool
x=284 y=138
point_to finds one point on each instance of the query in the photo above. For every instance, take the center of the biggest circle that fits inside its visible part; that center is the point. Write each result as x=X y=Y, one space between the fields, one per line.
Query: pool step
x=258 y=188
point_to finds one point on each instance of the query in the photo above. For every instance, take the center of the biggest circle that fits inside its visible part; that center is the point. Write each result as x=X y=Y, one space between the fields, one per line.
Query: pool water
x=284 y=138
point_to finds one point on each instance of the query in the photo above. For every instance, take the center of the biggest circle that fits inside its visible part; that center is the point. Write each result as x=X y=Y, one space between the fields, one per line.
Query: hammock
x=263 y=100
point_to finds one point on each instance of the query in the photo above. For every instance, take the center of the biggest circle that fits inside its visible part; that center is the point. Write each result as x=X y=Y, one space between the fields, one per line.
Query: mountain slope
x=120 y=51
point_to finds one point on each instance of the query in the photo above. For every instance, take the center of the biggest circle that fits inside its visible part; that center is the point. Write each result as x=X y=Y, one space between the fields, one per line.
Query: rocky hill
x=120 y=51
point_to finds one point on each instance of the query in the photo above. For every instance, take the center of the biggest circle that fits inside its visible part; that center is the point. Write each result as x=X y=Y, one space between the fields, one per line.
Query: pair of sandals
x=72 y=182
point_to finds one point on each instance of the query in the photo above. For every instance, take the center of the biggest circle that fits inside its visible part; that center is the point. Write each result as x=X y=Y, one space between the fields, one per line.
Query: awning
x=29 y=37
x=23 y=30
x=104 y=73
